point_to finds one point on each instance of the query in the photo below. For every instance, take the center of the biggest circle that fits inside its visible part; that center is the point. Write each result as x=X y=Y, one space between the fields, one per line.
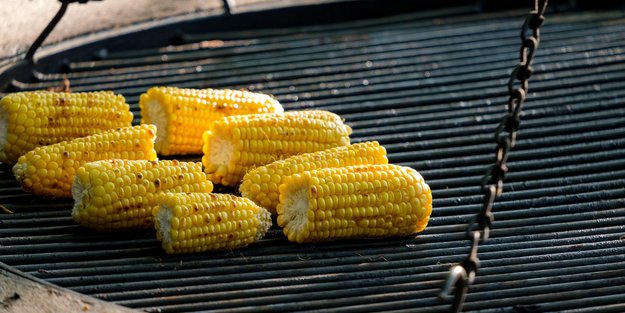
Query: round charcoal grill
x=430 y=85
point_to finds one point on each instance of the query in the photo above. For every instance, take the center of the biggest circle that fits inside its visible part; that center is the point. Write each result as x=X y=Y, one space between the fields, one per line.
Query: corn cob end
x=218 y=154
x=80 y=194
x=155 y=113
x=264 y=218
x=293 y=209
x=162 y=222
x=19 y=170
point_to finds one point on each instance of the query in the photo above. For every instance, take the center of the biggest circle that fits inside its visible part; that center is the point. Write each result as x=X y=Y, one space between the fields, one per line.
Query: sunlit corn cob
x=261 y=184
x=197 y=222
x=123 y=194
x=49 y=170
x=32 y=119
x=233 y=145
x=182 y=115
x=354 y=202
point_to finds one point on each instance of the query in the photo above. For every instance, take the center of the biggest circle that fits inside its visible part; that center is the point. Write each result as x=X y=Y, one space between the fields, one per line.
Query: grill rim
x=24 y=282
x=160 y=33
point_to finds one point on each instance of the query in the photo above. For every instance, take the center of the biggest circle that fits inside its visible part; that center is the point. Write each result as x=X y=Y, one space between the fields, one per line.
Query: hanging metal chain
x=478 y=230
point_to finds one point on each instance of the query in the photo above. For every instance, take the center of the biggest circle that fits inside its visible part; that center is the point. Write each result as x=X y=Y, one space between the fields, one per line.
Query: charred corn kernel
x=235 y=144
x=38 y=118
x=353 y=202
x=49 y=170
x=123 y=194
x=198 y=222
x=182 y=115
x=265 y=192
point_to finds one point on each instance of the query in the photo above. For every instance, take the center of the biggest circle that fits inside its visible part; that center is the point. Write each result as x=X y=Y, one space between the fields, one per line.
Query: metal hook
x=30 y=55
x=456 y=272
x=228 y=6
x=457 y=277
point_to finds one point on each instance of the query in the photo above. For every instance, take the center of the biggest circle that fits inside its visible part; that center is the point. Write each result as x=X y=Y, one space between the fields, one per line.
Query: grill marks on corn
x=354 y=201
x=49 y=170
x=199 y=222
x=235 y=144
x=182 y=115
x=124 y=194
x=33 y=119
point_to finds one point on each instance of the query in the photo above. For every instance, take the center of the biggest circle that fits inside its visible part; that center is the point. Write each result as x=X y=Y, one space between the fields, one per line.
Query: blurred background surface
x=23 y=20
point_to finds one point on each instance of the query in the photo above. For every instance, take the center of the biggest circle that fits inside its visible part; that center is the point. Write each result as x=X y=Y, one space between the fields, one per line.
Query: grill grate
x=431 y=88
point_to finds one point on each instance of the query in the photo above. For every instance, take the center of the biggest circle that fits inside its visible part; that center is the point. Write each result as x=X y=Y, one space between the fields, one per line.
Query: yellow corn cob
x=197 y=222
x=32 y=119
x=354 y=202
x=123 y=194
x=235 y=144
x=182 y=115
x=261 y=184
x=49 y=170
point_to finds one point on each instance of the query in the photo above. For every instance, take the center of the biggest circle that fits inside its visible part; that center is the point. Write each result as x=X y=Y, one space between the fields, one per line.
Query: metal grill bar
x=180 y=79
x=421 y=33
x=307 y=52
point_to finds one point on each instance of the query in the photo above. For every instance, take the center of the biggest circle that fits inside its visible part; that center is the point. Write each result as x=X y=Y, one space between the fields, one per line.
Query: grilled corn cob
x=32 y=119
x=49 y=170
x=123 y=194
x=198 y=222
x=261 y=184
x=235 y=144
x=182 y=115
x=354 y=201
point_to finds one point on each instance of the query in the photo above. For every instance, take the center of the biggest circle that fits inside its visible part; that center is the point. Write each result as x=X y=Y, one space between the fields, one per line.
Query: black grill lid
x=430 y=86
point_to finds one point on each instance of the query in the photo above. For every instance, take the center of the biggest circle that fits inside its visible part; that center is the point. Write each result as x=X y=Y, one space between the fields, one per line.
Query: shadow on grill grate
x=431 y=89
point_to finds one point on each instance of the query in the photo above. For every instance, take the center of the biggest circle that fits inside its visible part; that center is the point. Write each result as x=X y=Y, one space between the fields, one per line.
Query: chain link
x=462 y=275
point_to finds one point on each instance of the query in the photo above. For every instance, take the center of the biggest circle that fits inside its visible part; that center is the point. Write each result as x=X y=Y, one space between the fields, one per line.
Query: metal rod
x=30 y=55
x=228 y=6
